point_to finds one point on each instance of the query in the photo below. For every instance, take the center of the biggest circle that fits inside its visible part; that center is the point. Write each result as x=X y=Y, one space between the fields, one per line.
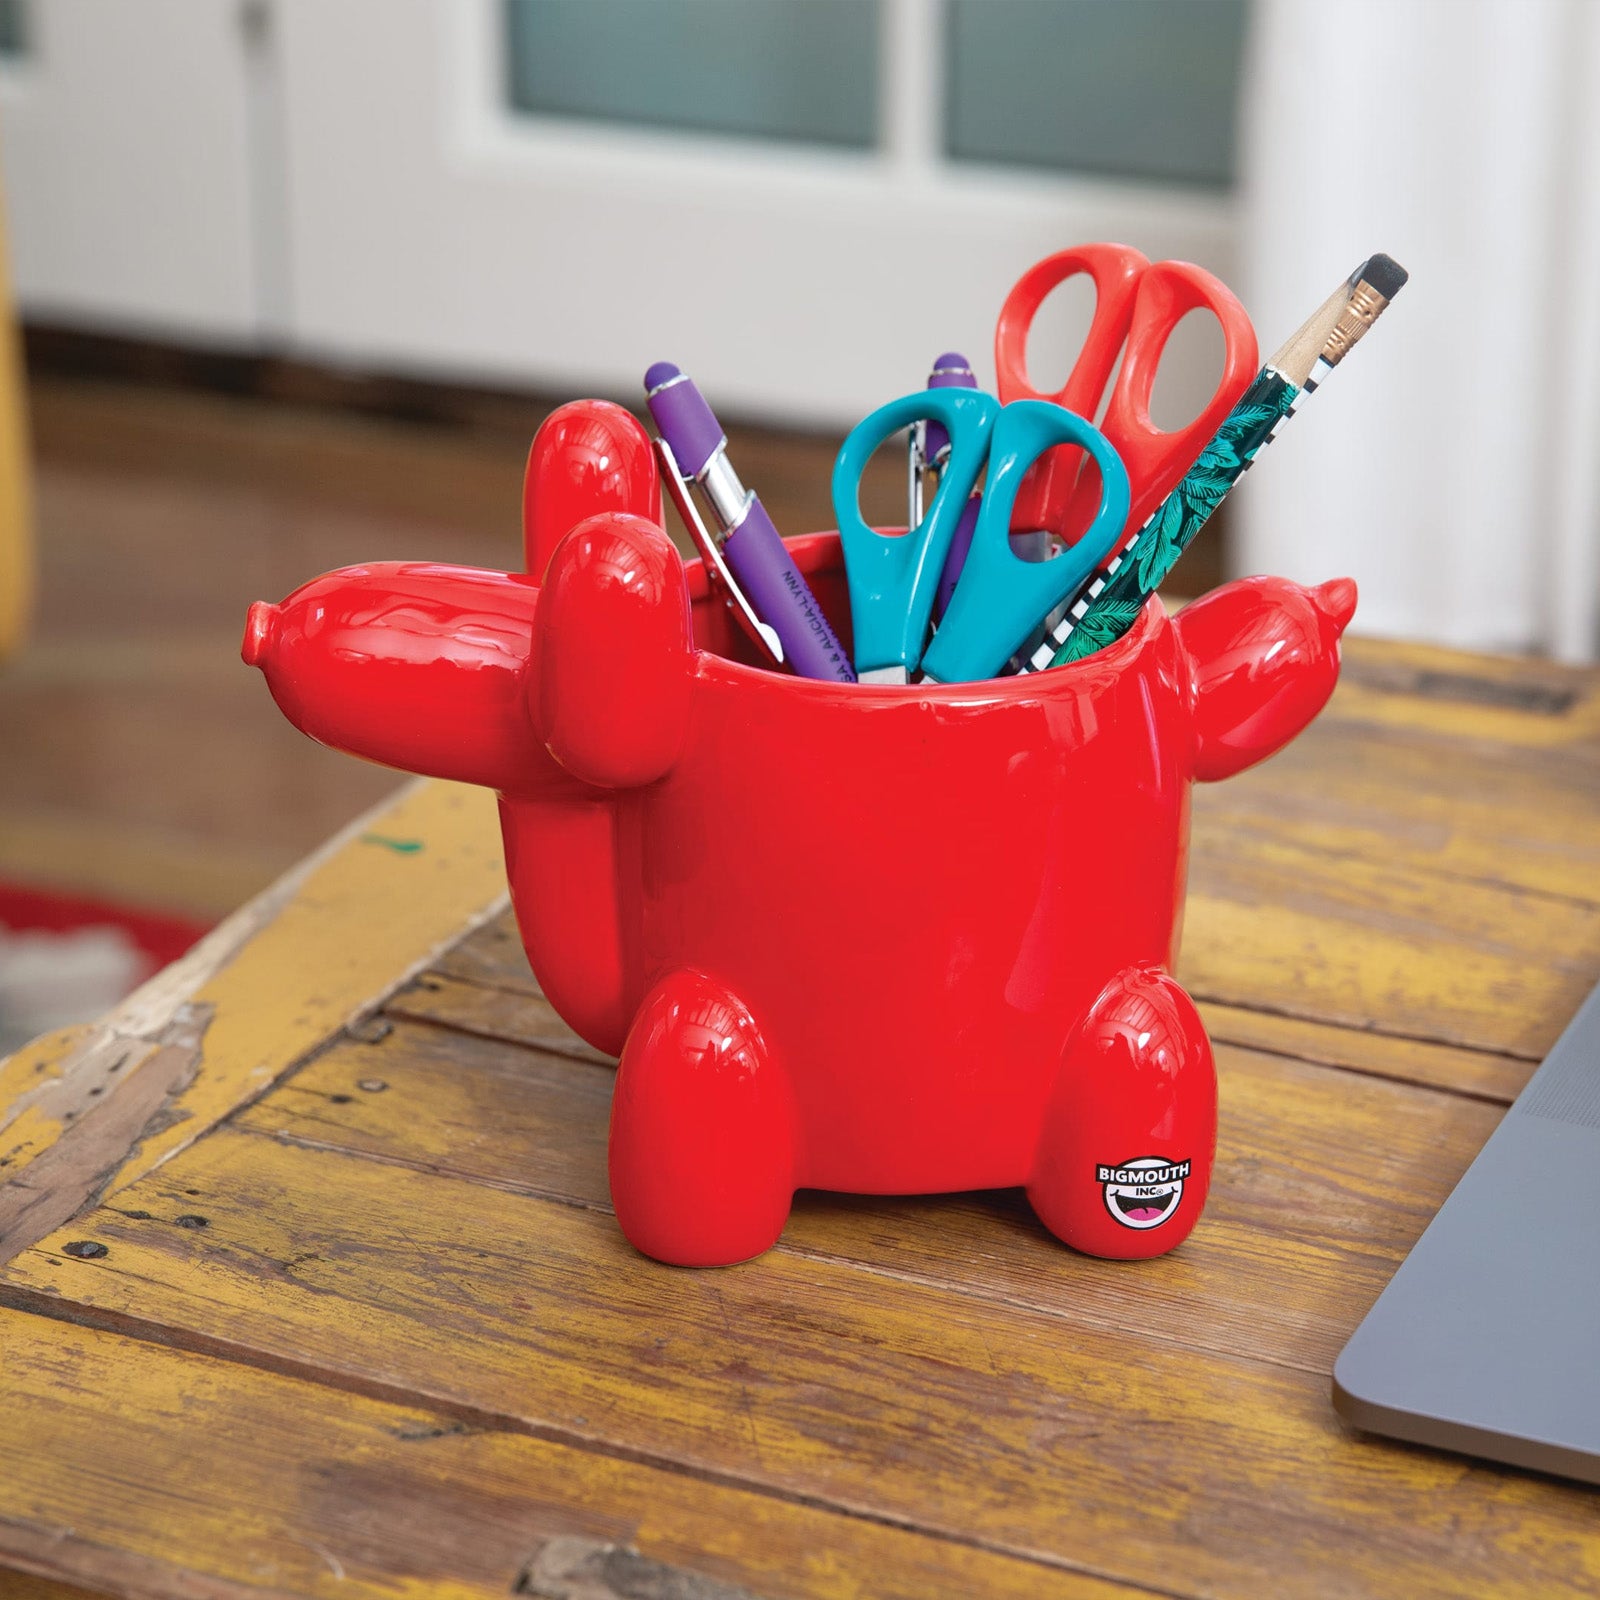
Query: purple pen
x=929 y=444
x=744 y=546
x=930 y=447
x=951 y=371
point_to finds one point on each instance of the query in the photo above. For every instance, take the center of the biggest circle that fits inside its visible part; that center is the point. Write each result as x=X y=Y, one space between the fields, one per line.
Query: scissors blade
x=1001 y=598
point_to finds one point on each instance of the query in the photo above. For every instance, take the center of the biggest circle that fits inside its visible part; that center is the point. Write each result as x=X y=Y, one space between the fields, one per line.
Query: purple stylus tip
x=682 y=417
x=952 y=371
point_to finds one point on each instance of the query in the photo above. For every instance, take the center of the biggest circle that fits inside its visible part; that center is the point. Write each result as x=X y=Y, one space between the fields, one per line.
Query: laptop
x=1487 y=1339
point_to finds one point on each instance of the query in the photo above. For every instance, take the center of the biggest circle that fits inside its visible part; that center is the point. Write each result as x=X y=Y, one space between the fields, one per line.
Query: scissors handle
x=1115 y=270
x=893 y=577
x=1002 y=598
x=1157 y=460
x=1137 y=305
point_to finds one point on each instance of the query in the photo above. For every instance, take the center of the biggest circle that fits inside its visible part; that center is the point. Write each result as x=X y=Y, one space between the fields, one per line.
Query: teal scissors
x=1000 y=599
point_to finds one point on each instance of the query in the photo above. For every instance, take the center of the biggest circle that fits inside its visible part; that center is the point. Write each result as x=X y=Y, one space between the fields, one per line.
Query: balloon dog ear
x=587 y=457
x=613 y=653
x=1263 y=657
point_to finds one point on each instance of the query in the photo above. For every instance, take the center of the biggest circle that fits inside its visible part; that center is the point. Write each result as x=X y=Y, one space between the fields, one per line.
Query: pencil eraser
x=1384 y=274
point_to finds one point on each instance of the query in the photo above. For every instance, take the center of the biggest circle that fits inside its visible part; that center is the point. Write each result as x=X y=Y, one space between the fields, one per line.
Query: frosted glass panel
x=13 y=28
x=1127 y=88
x=804 y=71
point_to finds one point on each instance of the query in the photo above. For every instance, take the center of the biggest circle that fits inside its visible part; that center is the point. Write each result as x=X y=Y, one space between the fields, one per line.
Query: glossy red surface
x=412 y=664
x=785 y=902
x=614 y=714
x=589 y=456
x=1266 y=658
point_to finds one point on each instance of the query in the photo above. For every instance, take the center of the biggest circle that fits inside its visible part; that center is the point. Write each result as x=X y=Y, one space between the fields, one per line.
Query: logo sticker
x=1144 y=1192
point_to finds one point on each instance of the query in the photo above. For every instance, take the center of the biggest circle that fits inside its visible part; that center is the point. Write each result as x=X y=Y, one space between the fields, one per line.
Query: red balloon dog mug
x=881 y=939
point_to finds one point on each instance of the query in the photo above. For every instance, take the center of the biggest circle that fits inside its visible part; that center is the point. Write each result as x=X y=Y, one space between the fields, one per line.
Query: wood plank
x=1121 y=1453
x=491 y=955
x=23 y=1586
x=219 y=1026
x=1424 y=861
x=1273 y=922
x=167 y=1475
x=520 y=1014
x=1323 y=1182
x=130 y=724
x=1475 y=811
x=1513 y=701
x=1484 y=1074
x=453 y=1103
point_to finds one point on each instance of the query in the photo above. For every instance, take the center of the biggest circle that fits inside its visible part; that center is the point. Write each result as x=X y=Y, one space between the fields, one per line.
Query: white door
x=128 y=145
x=434 y=225
x=466 y=187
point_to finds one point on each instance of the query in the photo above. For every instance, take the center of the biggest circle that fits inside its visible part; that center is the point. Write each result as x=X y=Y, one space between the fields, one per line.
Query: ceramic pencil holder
x=878 y=939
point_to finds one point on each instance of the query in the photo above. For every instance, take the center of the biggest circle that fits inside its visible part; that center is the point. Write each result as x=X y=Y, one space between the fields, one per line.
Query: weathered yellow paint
x=16 y=509
x=21 y=1071
x=1126 y=1451
x=131 y=1468
x=279 y=976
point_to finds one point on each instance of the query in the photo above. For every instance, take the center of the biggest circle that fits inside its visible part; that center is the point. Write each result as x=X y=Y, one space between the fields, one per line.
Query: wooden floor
x=143 y=761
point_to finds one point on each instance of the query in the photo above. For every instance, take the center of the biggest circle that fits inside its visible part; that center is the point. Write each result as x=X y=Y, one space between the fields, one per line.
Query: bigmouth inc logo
x=1144 y=1192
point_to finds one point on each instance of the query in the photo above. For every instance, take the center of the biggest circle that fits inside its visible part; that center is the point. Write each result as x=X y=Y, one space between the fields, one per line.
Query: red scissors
x=1137 y=305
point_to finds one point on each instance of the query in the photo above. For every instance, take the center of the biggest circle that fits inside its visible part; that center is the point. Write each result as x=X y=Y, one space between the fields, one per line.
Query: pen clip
x=717 y=573
x=916 y=465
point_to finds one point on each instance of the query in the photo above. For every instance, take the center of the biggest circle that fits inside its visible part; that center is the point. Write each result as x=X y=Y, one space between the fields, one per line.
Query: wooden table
x=311 y=1285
